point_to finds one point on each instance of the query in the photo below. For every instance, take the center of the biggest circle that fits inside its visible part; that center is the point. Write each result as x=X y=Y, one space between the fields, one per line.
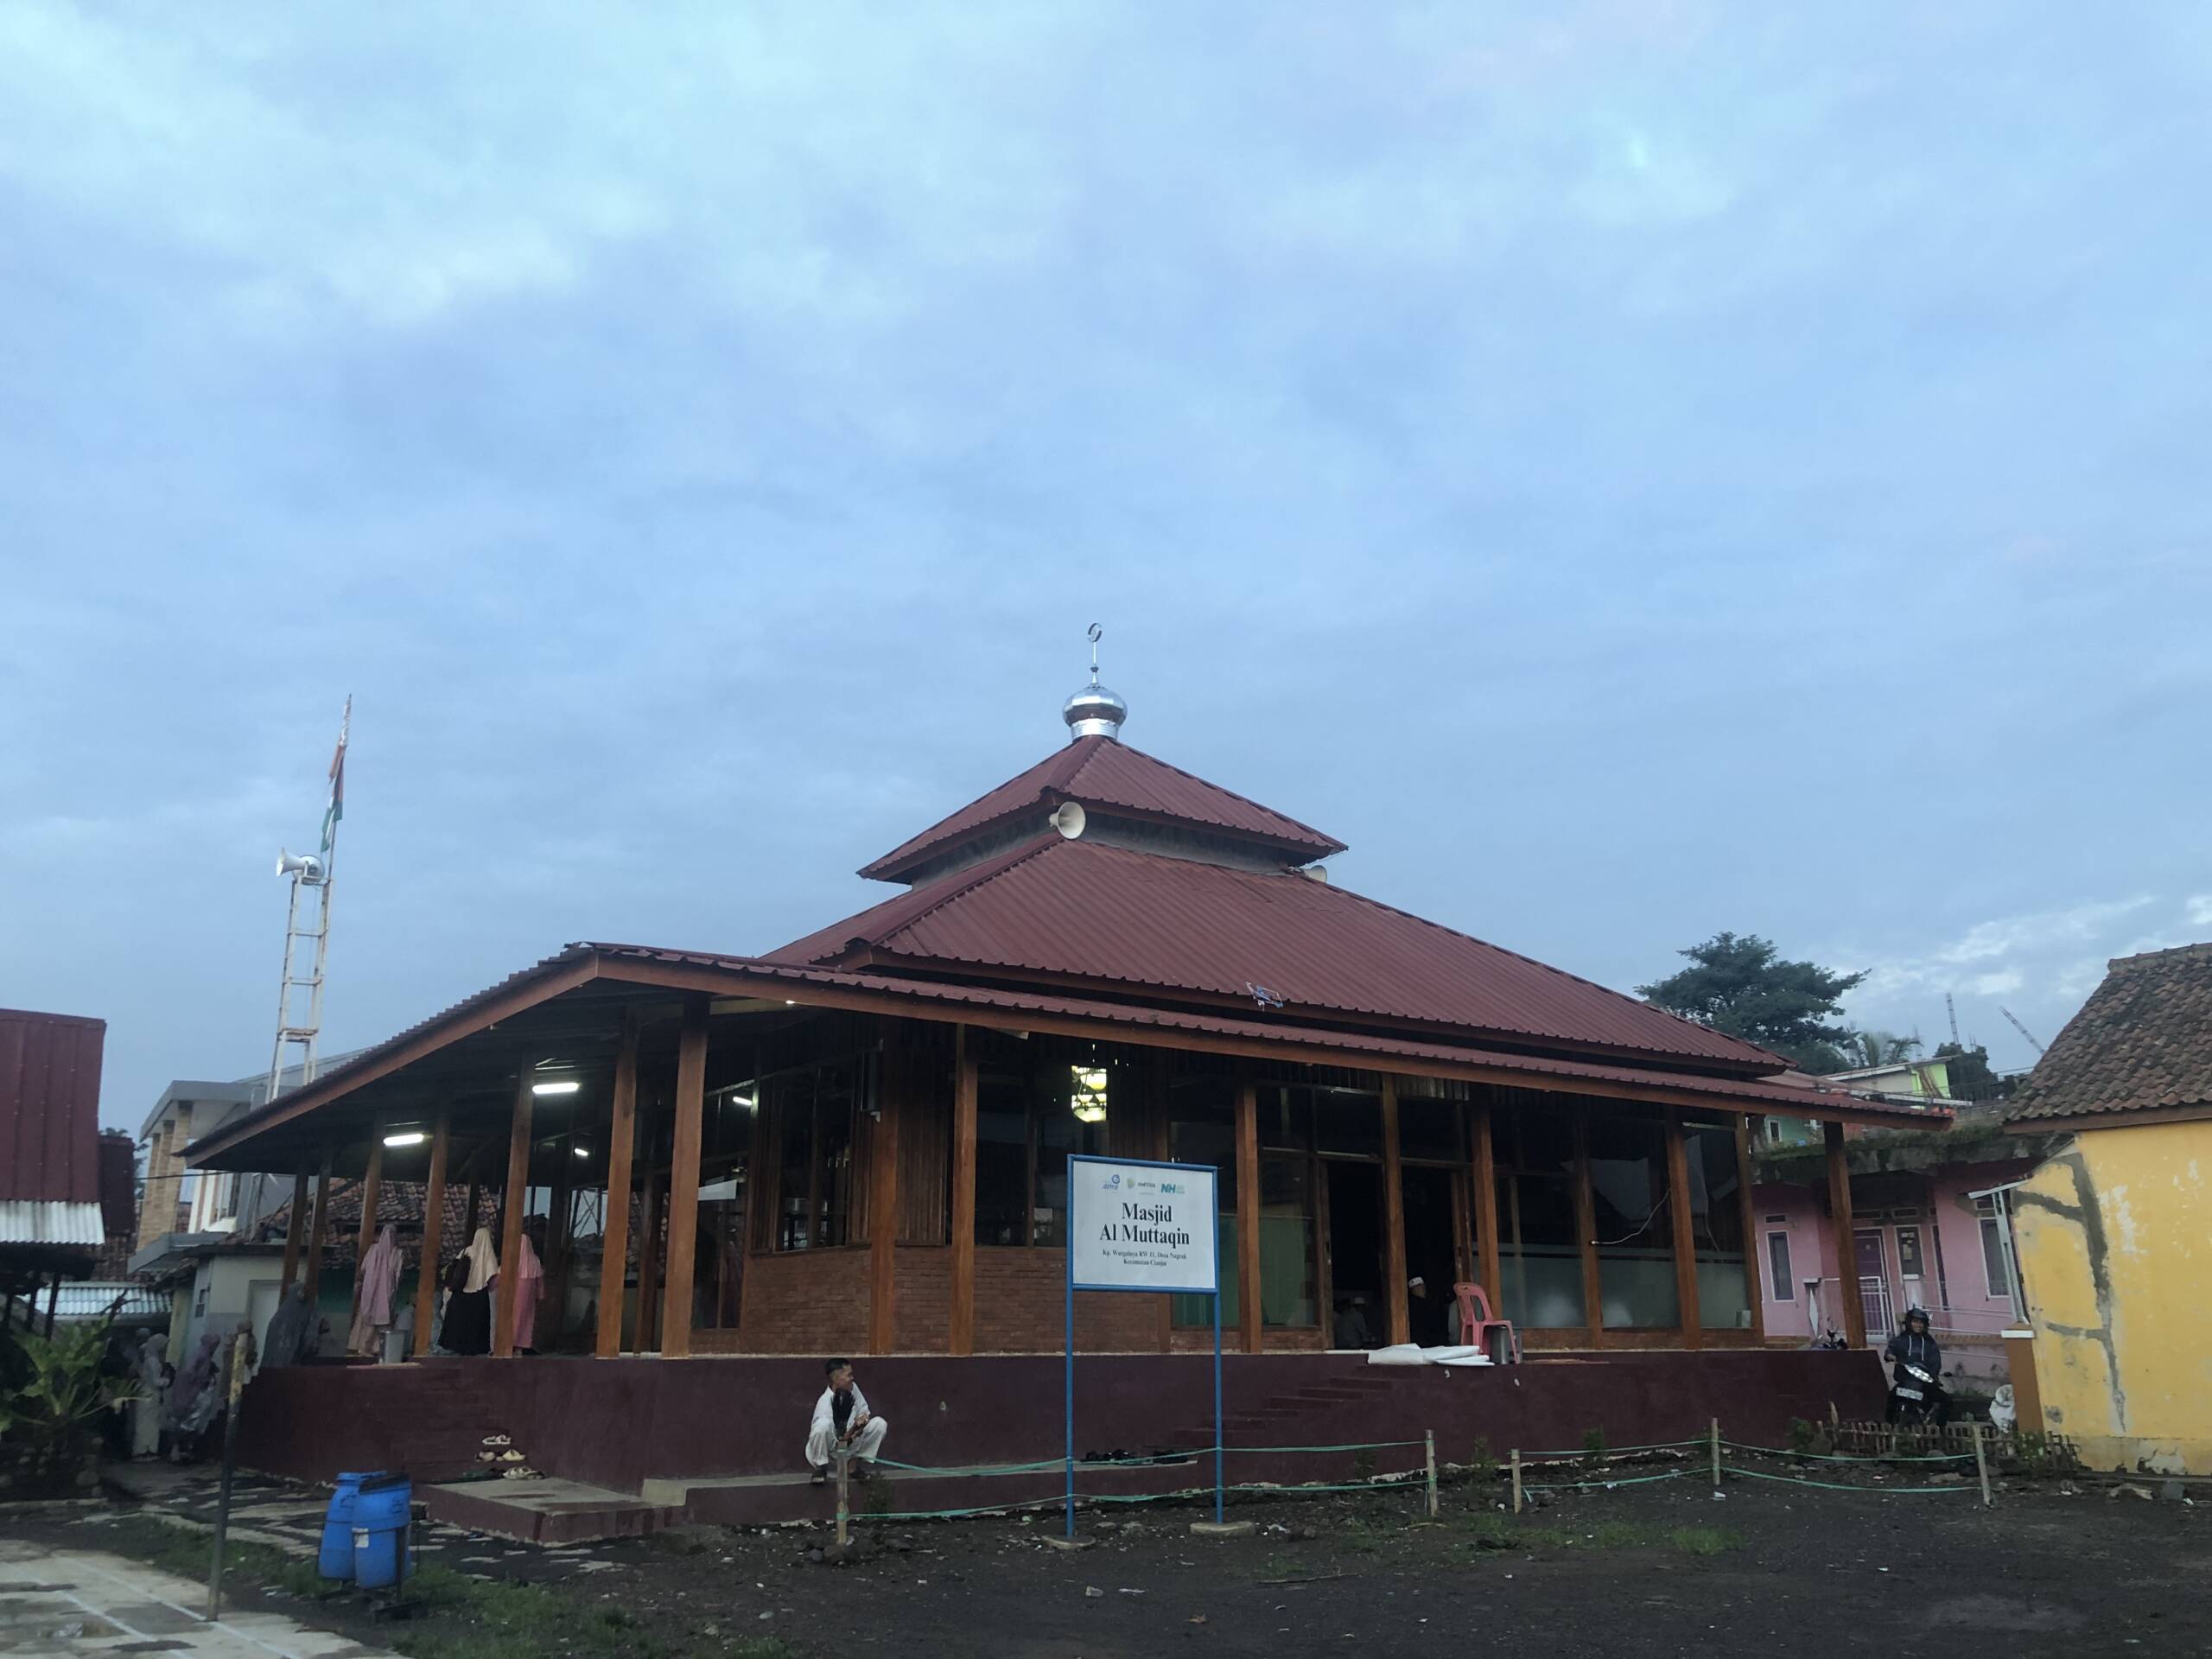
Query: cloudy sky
x=1630 y=469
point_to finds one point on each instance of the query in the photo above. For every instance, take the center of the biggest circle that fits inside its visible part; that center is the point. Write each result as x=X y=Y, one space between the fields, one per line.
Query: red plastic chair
x=1476 y=1324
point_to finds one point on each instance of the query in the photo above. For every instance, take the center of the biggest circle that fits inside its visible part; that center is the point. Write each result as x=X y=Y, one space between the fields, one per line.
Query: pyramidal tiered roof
x=1188 y=894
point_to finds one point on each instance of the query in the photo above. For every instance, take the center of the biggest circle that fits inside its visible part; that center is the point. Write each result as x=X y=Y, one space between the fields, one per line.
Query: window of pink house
x=1777 y=1263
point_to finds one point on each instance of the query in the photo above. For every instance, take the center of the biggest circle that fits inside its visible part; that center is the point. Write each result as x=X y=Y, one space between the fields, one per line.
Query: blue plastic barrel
x=381 y=1510
x=335 y=1559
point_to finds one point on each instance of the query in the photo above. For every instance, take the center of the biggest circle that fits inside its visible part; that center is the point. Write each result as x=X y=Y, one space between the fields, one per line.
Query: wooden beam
x=1585 y=1227
x=893 y=1080
x=366 y=1235
x=648 y=1332
x=1248 y=1217
x=1746 y=1127
x=433 y=1221
x=315 y=1234
x=621 y=1138
x=1678 y=1203
x=1393 y=1218
x=961 y=1322
x=683 y=1182
x=511 y=1201
x=295 y=1232
x=1486 y=1266
x=1846 y=1244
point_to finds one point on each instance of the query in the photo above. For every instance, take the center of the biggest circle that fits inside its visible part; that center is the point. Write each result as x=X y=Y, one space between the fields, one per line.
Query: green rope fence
x=1852 y=1457
x=1834 y=1486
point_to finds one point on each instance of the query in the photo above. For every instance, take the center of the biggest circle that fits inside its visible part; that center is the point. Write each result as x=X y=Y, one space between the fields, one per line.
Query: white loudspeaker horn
x=306 y=866
x=1069 y=819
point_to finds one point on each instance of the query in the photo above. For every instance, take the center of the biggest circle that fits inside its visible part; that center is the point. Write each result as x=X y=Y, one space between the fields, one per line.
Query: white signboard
x=1141 y=1226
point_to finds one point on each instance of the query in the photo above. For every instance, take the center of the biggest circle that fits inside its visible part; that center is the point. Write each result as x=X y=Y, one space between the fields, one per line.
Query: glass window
x=1636 y=1250
x=1430 y=1129
x=793 y=1094
x=1909 y=1252
x=1289 y=1294
x=1001 y=1161
x=812 y=1110
x=1997 y=1280
x=1784 y=1282
x=834 y=1103
x=1025 y=1127
x=1717 y=1228
x=1202 y=1129
x=1346 y=1121
x=1538 y=1248
x=1286 y=1120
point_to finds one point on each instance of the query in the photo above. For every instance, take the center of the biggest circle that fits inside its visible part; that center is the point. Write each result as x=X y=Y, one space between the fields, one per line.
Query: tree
x=1971 y=1076
x=1872 y=1048
x=1740 y=984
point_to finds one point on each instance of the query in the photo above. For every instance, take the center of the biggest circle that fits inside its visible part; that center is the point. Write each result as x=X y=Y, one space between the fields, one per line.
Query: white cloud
x=2198 y=910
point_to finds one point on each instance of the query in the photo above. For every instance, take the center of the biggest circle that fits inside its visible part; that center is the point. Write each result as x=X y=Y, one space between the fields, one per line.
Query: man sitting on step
x=843 y=1426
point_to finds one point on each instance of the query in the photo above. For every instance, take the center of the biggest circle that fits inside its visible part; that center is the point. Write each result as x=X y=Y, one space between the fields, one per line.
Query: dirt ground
x=1659 y=1568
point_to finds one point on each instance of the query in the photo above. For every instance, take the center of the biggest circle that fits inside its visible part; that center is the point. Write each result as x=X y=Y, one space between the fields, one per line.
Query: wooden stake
x=1716 y=1454
x=1429 y=1436
x=844 y=1504
x=1516 y=1480
x=1980 y=1463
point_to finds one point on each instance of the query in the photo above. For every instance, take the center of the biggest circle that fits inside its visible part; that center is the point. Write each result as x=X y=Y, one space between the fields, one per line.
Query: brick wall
x=1020 y=1308
x=806 y=1302
x=922 y=1314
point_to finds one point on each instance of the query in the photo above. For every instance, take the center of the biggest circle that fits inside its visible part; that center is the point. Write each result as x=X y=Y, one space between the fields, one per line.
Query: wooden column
x=295 y=1232
x=1486 y=1267
x=962 y=1320
x=1747 y=1127
x=1678 y=1204
x=315 y=1234
x=512 y=1200
x=1846 y=1246
x=434 y=1227
x=883 y=1200
x=1393 y=1218
x=1585 y=1227
x=1248 y=1217
x=648 y=1332
x=366 y=1235
x=621 y=1138
x=683 y=1182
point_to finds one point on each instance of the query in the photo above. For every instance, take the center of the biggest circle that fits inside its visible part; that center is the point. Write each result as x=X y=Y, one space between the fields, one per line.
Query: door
x=1873 y=1279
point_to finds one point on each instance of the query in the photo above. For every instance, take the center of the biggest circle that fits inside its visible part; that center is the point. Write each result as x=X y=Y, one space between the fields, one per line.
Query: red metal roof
x=1107 y=913
x=1104 y=772
x=50 y=1107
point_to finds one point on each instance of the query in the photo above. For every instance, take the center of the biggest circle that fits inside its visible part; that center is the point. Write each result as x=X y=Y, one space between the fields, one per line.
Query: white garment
x=821 y=1434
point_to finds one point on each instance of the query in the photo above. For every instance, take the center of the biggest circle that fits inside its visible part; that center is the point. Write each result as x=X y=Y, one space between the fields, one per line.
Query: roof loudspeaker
x=1069 y=819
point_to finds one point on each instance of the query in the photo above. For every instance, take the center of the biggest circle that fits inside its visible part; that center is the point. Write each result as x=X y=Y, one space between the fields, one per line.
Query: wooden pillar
x=892 y=1083
x=1747 y=1127
x=1585 y=1227
x=295 y=1232
x=315 y=1234
x=648 y=1332
x=683 y=1182
x=1393 y=1218
x=512 y=1200
x=1248 y=1217
x=434 y=1227
x=1678 y=1204
x=1846 y=1246
x=621 y=1139
x=366 y=1235
x=961 y=1335
x=1486 y=1267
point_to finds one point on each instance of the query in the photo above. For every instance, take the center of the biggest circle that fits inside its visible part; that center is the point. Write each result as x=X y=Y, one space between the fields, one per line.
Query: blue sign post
x=1135 y=1224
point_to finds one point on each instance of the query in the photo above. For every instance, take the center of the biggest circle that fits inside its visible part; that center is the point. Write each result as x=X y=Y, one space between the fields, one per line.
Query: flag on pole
x=337 y=807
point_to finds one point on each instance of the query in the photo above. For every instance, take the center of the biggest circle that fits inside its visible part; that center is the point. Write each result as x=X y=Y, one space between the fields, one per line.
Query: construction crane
x=2022 y=1029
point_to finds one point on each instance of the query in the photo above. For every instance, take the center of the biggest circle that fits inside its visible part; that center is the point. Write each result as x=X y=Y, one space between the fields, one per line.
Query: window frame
x=1990 y=1224
x=1784 y=1281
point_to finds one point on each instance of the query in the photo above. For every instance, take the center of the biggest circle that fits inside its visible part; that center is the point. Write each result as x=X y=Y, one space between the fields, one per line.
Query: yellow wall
x=2114 y=1237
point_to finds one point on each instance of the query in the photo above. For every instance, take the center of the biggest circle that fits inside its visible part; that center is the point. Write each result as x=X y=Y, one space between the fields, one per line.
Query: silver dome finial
x=1094 y=711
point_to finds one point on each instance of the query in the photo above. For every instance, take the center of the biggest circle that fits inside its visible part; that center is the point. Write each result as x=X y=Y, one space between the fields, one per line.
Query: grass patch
x=1496 y=1532
x=190 y=1553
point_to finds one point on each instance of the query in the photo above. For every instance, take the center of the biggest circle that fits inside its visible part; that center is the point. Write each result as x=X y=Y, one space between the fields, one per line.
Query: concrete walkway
x=82 y=1601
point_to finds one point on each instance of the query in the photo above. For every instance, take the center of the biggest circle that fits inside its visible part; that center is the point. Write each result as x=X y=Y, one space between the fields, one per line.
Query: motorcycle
x=1917 y=1396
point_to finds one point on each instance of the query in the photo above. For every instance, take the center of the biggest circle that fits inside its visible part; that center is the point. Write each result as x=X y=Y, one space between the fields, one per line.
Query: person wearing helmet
x=1914 y=1344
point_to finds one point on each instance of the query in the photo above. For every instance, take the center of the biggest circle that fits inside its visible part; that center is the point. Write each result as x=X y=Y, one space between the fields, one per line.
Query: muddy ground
x=1659 y=1568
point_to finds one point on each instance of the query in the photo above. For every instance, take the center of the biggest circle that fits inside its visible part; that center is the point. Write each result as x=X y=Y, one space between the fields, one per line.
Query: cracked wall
x=2114 y=1235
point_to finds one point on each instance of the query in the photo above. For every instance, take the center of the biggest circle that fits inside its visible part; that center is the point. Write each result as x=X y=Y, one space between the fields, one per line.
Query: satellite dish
x=1069 y=819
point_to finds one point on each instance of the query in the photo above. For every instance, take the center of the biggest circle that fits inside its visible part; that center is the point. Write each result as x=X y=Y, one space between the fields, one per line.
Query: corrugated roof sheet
x=34 y=1221
x=50 y=1107
x=91 y=1298
x=2142 y=1042
x=1102 y=912
x=1104 y=772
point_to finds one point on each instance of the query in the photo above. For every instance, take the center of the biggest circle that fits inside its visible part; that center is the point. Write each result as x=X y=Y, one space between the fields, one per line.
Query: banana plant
x=64 y=1393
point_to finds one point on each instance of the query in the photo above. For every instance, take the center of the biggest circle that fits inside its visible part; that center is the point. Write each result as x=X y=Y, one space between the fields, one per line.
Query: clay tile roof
x=1108 y=914
x=1105 y=772
x=2142 y=1042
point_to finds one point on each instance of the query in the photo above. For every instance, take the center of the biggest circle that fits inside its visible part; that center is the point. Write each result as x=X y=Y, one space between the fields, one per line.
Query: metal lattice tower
x=307 y=932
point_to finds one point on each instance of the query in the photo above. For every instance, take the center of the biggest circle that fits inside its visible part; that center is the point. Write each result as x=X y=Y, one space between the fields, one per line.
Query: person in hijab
x=291 y=1329
x=373 y=1295
x=191 y=1384
x=155 y=1375
x=469 y=1307
x=530 y=1287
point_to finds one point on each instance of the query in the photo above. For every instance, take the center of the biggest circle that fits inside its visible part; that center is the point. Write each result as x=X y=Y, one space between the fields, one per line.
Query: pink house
x=1920 y=1236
